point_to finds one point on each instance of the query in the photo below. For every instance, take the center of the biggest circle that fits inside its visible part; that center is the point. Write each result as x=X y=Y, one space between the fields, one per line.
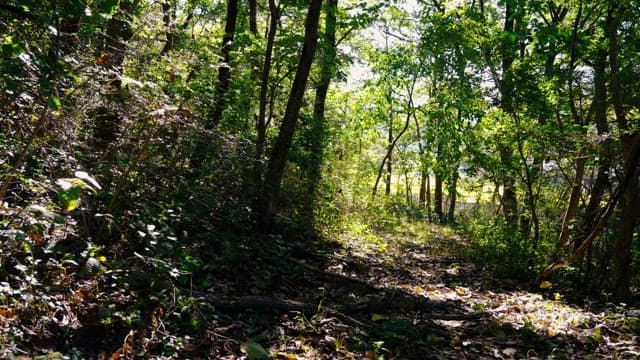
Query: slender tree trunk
x=266 y=203
x=390 y=144
x=407 y=188
x=509 y=198
x=224 y=69
x=423 y=168
x=428 y=204
x=572 y=208
x=423 y=188
x=453 y=196
x=318 y=127
x=437 y=199
x=253 y=14
x=262 y=122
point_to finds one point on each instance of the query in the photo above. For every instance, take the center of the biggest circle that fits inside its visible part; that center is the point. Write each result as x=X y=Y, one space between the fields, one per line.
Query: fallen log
x=273 y=304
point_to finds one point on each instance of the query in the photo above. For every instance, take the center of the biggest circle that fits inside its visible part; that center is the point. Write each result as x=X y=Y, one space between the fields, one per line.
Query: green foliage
x=494 y=244
x=167 y=210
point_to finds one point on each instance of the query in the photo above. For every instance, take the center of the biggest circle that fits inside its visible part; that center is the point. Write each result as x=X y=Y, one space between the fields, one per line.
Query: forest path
x=420 y=259
x=376 y=295
x=405 y=295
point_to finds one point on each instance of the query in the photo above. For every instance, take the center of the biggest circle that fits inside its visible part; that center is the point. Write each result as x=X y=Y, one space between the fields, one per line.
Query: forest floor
x=405 y=296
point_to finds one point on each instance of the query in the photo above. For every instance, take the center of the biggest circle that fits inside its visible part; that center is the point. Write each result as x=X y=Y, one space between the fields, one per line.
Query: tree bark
x=630 y=142
x=253 y=14
x=318 y=127
x=605 y=152
x=224 y=69
x=572 y=208
x=428 y=204
x=437 y=198
x=631 y=172
x=266 y=203
x=509 y=198
x=262 y=122
x=390 y=146
x=453 y=198
x=423 y=168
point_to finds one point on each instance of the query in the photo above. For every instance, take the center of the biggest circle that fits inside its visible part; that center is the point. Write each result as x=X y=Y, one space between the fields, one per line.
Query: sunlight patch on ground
x=421 y=259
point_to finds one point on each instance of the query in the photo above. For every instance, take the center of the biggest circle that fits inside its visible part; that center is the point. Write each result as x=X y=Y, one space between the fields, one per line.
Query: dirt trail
x=393 y=296
x=422 y=302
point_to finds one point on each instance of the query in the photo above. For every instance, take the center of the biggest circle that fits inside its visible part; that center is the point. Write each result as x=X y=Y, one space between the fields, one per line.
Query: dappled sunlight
x=512 y=321
x=322 y=179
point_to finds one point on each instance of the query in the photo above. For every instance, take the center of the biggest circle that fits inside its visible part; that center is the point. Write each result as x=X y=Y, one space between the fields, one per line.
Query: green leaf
x=55 y=103
x=255 y=351
x=70 y=199
x=108 y=6
x=10 y=48
x=71 y=190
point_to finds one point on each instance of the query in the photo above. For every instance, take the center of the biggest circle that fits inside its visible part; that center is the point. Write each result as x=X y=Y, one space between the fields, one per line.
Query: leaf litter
x=408 y=297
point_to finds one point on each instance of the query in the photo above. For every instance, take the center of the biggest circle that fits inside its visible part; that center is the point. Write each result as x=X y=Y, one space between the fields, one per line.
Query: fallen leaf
x=287 y=356
x=116 y=354
x=545 y=285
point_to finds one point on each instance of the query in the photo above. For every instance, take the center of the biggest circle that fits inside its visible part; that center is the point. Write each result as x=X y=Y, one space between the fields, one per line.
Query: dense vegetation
x=167 y=166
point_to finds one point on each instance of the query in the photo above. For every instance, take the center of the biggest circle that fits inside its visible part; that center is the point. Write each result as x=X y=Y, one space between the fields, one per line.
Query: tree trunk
x=629 y=205
x=168 y=15
x=390 y=144
x=572 y=208
x=387 y=156
x=605 y=152
x=509 y=198
x=253 y=14
x=262 y=122
x=266 y=203
x=423 y=168
x=318 y=127
x=428 y=204
x=407 y=188
x=224 y=69
x=437 y=198
x=423 y=188
x=453 y=198
x=630 y=143
x=108 y=121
